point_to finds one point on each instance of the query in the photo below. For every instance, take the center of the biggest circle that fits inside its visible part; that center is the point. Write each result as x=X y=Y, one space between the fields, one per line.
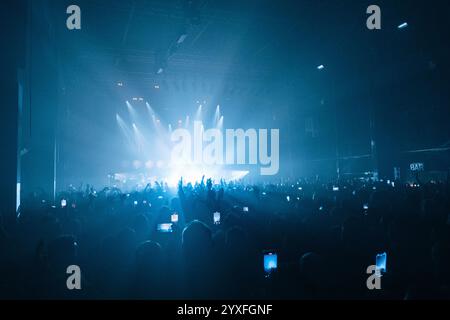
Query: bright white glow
x=189 y=174
x=321 y=67
x=137 y=164
x=174 y=218
x=193 y=174
x=403 y=25
x=238 y=174
x=149 y=164
x=160 y=164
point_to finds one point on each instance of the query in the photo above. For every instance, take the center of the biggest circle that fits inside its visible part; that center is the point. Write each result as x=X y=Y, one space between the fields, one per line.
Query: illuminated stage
x=187 y=150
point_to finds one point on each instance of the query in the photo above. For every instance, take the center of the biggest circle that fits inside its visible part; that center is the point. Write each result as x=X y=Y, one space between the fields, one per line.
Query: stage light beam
x=198 y=114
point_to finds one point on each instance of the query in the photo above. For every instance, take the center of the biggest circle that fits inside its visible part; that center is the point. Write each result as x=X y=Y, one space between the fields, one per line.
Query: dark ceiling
x=255 y=45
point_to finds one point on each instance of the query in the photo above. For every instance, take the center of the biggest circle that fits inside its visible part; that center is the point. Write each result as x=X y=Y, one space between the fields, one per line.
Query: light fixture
x=182 y=38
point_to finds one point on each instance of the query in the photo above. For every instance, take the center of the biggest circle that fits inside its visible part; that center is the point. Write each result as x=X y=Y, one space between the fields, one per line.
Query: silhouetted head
x=197 y=238
x=149 y=256
x=312 y=272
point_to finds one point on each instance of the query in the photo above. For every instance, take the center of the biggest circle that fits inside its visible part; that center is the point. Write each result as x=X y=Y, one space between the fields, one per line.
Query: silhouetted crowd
x=207 y=241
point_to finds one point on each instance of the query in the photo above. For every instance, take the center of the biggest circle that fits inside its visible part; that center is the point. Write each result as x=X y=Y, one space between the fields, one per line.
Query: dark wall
x=41 y=101
x=12 y=58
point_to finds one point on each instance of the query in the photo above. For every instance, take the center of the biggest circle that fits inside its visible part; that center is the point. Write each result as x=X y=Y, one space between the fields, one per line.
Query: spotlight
x=198 y=114
x=220 y=123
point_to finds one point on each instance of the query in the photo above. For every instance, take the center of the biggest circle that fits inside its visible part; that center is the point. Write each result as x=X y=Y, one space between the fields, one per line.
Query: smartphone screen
x=270 y=262
x=174 y=218
x=63 y=203
x=381 y=261
x=164 y=227
x=216 y=217
x=245 y=209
